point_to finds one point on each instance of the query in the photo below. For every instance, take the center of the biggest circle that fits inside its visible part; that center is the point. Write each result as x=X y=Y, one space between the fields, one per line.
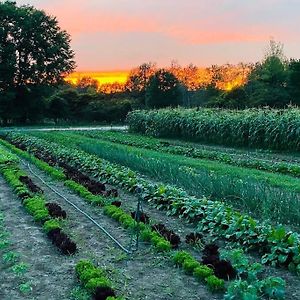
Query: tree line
x=34 y=63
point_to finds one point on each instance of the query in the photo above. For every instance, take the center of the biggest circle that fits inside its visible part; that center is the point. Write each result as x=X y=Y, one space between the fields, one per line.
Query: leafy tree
x=34 y=52
x=139 y=79
x=87 y=84
x=58 y=108
x=294 y=81
x=163 y=90
x=267 y=81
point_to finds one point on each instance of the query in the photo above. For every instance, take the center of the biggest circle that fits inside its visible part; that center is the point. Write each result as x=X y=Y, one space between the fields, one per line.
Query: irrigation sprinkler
x=137 y=217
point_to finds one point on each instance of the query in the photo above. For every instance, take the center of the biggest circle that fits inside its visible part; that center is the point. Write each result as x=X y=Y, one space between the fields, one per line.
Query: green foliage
x=146 y=235
x=83 y=265
x=90 y=276
x=293 y=81
x=202 y=272
x=36 y=207
x=51 y=224
x=190 y=265
x=31 y=60
x=251 y=190
x=238 y=158
x=240 y=289
x=25 y=288
x=180 y=256
x=85 y=193
x=10 y=257
x=214 y=283
x=163 y=90
x=93 y=283
x=163 y=246
x=256 y=128
x=273 y=287
x=20 y=269
x=79 y=293
x=69 y=105
x=213 y=217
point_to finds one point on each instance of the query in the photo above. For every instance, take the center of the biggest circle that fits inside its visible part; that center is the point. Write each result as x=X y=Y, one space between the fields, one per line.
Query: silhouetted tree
x=86 y=84
x=268 y=80
x=139 y=79
x=294 y=81
x=163 y=90
x=34 y=52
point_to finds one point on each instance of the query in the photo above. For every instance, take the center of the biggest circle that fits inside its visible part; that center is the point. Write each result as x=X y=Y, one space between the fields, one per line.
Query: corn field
x=256 y=128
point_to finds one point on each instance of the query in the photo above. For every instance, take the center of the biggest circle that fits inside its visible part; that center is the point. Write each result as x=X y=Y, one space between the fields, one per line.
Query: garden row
x=241 y=159
x=277 y=246
x=268 y=196
x=32 y=199
x=50 y=215
x=271 y=287
x=257 y=128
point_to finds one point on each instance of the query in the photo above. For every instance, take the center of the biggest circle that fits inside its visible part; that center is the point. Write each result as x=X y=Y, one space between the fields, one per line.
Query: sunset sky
x=121 y=34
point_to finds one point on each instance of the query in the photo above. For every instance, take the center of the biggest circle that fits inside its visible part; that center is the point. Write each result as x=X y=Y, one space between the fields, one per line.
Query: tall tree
x=268 y=80
x=163 y=90
x=34 y=52
x=139 y=79
x=294 y=81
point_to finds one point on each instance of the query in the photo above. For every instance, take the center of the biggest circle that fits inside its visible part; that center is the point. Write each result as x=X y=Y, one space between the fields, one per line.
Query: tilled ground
x=142 y=275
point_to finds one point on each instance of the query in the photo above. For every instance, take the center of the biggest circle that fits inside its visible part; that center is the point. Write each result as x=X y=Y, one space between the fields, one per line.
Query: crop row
x=271 y=287
x=258 y=128
x=95 y=281
x=277 y=246
x=265 y=195
x=246 y=159
x=35 y=204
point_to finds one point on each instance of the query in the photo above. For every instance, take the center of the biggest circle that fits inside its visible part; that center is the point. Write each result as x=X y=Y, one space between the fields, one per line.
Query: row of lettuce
x=272 y=287
x=99 y=287
x=240 y=158
x=257 y=128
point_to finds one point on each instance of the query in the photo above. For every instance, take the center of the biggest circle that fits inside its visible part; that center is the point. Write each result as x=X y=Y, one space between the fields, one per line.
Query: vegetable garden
x=211 y=223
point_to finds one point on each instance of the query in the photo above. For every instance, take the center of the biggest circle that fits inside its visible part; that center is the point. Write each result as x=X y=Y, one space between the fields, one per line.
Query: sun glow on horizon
x=229 y=77
x=102 y=77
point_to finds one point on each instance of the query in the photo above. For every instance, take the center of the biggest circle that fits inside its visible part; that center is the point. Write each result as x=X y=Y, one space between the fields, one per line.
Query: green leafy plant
x=214 y=283
x=25 y=288
x=20 y=269
x=10 y=257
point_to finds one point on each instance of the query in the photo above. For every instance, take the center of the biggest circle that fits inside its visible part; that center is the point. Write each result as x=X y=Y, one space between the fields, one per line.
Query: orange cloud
x=79 y=19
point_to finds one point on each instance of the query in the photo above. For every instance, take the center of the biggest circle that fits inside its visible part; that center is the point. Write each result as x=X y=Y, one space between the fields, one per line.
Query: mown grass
x=264 y=195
